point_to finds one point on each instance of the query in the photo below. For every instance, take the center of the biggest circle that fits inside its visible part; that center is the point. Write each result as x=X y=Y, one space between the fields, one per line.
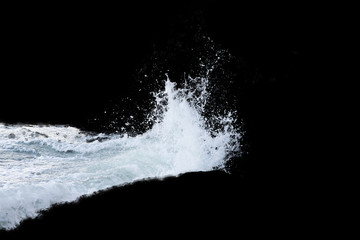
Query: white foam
x=43 y=165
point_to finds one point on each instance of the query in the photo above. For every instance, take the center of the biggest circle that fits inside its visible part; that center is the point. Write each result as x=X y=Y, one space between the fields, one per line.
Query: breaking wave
x=45 y=164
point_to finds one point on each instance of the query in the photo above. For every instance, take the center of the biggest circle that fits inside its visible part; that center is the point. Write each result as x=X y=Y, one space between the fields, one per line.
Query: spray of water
x=43 y=165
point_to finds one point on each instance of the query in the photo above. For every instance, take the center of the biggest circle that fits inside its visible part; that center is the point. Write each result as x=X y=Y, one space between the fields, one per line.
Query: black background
x=62 y=64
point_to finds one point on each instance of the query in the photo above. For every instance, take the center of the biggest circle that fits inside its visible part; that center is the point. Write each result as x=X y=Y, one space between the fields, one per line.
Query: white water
x=43 y=165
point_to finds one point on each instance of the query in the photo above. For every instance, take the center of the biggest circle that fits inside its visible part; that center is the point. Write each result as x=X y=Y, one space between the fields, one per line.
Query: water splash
x=43 y=165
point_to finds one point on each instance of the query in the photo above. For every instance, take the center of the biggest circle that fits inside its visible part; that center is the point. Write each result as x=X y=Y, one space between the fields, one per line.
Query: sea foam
x=45 y=164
